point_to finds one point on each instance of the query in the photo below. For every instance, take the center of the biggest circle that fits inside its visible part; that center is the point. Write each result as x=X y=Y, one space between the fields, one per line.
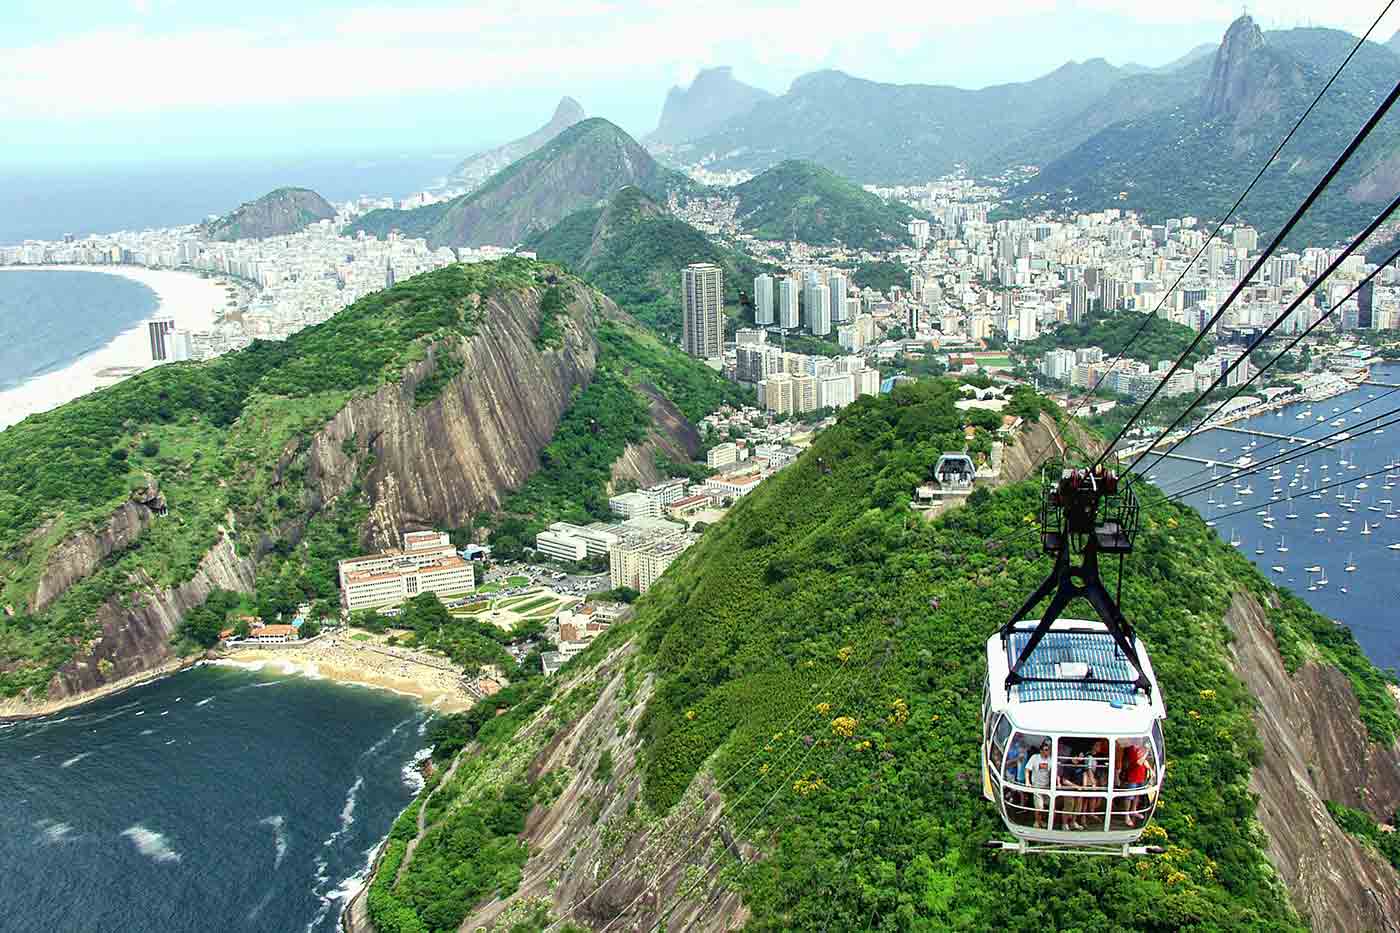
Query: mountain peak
x=568 y=112
x=712 y=98
x=1231 y=77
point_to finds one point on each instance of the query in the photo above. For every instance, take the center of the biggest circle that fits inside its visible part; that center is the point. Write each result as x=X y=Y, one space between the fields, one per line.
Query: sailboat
x=1234 y=538
x=1292 y=510
x=1259 y=549
x=1322 y=580
x=1282 y=547
x=1365 y=528
x=1351 y=565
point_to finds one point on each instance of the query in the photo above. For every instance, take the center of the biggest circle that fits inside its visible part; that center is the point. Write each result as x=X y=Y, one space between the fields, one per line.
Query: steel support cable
x=1274 y=244
x=1313 y=286
x=1190 y=478
x=1326 y=442
x=1339 y=483
x=704 y=875
x=652 y=848
x=1147 y=320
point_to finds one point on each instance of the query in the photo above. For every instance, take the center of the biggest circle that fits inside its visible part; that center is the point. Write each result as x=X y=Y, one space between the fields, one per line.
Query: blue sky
x=89 y=83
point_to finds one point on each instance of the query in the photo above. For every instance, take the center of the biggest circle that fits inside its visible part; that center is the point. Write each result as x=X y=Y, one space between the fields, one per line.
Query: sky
x=90 y=83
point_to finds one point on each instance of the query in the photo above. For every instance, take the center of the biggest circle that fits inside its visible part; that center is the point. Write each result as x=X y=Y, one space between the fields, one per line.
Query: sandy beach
x=352 y=662
x=194 y=303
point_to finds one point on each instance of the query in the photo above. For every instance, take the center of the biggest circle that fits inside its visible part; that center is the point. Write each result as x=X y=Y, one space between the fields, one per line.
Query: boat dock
x=1255 y=433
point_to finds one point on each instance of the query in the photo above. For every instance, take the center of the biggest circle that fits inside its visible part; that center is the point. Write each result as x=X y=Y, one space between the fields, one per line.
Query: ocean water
x=46 y=205
x=49 y=319
x=215 y=799
x=1372 y=590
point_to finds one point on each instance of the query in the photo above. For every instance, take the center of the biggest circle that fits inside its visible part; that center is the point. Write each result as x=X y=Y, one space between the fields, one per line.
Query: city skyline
x=293 y=76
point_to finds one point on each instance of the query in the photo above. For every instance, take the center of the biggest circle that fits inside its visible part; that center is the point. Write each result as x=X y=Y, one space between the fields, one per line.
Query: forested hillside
x=634 y=250
x=1115 y=332
x=815 y=662
x=804 y=201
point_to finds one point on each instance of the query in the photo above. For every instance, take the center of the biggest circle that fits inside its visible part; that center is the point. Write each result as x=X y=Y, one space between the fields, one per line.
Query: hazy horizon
x=329 y=79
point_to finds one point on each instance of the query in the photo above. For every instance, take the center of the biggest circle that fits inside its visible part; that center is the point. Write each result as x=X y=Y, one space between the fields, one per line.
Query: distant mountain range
x=712 y=98
x=580 y=168
x=634 y=250
x=803 y=201
x=1196 y=155
x=474 y=170
x=277 y=213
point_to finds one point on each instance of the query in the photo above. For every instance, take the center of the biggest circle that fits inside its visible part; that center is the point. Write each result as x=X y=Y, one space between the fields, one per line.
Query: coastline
x=194 y=302
x=359 y=664
x=13 y=709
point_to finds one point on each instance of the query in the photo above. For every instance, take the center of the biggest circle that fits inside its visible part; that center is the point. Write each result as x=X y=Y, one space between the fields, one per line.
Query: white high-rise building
x=1026 y=323
x=702 y=312
x=787 y=303
x=817 y=298
x=836 y=282
x=763 y=300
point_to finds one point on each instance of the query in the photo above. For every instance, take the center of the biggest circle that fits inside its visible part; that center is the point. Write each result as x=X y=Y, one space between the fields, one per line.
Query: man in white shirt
x=1039 y=769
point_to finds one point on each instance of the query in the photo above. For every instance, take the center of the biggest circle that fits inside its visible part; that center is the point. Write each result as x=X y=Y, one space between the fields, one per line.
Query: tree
x=310 y=628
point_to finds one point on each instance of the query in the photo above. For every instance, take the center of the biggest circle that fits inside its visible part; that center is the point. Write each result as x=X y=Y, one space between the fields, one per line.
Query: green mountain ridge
x=802 y=200
x=634 y=250
x=277 y=213
x=1196 y=156
x=883 y=133
x=814 y=663
x=579 y=168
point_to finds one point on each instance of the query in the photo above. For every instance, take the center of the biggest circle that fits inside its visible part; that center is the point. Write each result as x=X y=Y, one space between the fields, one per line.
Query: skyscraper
x=817 y=299
x=837 y=283
x=702 y=313
x=1366 y=304
x=763 y=300
x=787 y=302
x=159 y=330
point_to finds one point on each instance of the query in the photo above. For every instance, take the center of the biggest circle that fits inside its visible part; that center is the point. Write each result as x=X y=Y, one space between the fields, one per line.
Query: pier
x=1254 y=433
x=1380 y=385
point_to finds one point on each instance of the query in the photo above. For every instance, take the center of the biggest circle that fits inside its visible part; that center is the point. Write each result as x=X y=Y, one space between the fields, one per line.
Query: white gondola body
x=1106 y=753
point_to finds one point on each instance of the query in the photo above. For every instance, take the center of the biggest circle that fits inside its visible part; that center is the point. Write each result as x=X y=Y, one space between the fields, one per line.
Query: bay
x=1372 y=590
x=52 y=318
x=216 y=798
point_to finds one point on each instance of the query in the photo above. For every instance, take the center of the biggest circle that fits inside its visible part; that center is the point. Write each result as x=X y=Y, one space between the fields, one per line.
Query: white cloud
x=383 y=51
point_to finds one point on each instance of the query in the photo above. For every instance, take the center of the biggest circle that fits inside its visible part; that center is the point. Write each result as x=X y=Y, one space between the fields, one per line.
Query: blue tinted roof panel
x=1096 y=649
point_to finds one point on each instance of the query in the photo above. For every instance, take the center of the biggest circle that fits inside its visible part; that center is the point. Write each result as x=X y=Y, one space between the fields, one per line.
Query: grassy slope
x=820 y=206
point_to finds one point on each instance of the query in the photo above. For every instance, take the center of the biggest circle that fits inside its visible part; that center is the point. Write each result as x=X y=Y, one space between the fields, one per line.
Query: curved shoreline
x=193 y=301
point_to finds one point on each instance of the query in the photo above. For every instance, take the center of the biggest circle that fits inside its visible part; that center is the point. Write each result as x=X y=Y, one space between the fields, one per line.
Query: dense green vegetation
x=633 y=250
x=211 y=435
x=881 y=275
x=806 y=201
x=796 y=552
x=1360 y=825
x=584 y=164
x=1112 y=331
x=571 y=484
x=819 y=596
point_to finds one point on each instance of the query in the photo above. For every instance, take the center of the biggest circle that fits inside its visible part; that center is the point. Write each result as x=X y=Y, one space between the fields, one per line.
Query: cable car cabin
x=955 y=471
x=1072 y=754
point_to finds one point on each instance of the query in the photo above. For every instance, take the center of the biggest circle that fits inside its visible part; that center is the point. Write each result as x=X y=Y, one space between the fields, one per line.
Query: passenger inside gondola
x=1134 y=771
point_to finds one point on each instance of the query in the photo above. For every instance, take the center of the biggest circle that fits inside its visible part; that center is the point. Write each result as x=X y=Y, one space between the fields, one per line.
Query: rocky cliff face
x=80 y=555
x=277 y=213
x=476 y=169
x=456 y=456
x=671 y=436
x=713 y=97
x=433 y=464
x=1316 y=749
x=136 y=627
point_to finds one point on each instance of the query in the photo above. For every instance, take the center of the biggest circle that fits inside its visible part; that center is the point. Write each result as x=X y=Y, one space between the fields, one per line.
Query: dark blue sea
x=215 y=799
x=51 y=318
x=1364 y=598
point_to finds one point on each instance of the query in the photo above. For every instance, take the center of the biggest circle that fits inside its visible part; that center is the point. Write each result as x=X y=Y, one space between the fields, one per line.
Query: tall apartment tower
x=702 y=298
x=763 y=300
x=159 y=330
x=838 y=285
x=787 y=302
x=817 y=298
